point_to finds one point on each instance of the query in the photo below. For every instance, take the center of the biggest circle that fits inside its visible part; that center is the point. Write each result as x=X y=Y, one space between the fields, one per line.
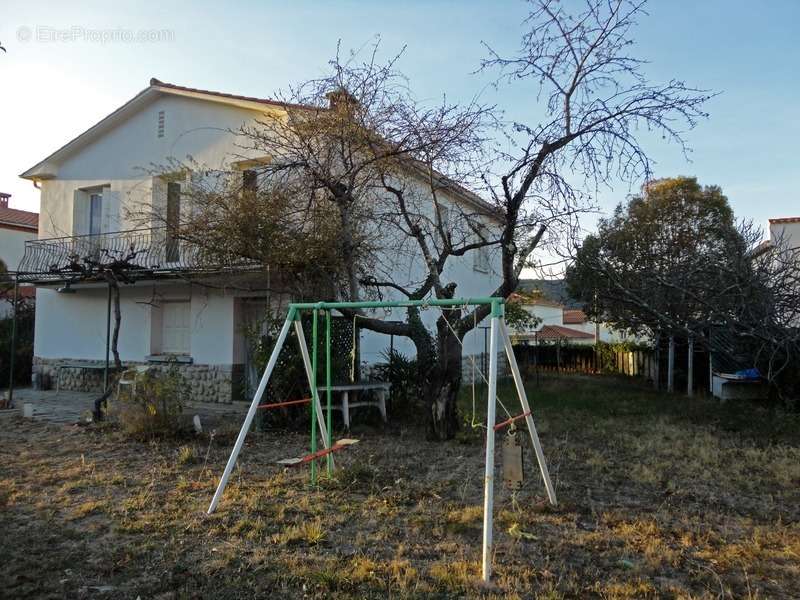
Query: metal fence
x=145 y=253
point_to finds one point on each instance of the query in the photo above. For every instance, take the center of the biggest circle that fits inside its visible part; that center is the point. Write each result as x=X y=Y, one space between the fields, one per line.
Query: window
x=161 y=123
x=95 y=213
x=480 y=257
x=444 y=216
x=249 y=182
x=175 y=331
x=173 y=221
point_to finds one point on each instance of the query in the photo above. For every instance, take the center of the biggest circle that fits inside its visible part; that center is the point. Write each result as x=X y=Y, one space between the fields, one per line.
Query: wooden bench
x=380 y=388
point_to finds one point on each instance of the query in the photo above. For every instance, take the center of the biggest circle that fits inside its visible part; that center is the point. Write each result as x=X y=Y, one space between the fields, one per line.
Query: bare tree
x=349 y=190
x=359 y=141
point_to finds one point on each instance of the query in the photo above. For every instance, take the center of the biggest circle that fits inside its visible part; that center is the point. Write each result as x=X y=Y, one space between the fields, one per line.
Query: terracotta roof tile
x=786 y=220
x=557 y=332
x=21 y=218
x=574 y=316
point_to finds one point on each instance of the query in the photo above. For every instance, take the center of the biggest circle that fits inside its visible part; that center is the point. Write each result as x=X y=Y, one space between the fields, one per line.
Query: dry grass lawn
x=660 y=497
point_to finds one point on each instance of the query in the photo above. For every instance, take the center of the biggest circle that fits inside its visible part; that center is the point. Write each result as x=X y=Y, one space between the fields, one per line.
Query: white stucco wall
x=548 y=315
x=787 y=233
x=74 y=325
x=125 y=158
x=12 y=246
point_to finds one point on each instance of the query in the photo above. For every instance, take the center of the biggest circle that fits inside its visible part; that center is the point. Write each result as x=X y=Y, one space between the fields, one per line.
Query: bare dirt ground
x=659 y=497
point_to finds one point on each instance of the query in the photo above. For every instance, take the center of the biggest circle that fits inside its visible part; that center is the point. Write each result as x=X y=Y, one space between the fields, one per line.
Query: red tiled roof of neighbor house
x=24 y=291
x=557 y=332
x=786 y=220
x=574 y=316
x=15 y=218
x=20 y=218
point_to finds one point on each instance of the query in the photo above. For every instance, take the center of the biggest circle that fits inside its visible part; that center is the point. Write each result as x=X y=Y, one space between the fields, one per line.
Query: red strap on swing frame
x=318 y=454
x=507 y=422
x=287 y=403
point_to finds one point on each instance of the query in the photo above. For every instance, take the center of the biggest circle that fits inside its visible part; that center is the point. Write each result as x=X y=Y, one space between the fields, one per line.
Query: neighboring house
x=557 y=324
x=88 y=188
x=783 y=232
x=16 y=228
x=783 y=246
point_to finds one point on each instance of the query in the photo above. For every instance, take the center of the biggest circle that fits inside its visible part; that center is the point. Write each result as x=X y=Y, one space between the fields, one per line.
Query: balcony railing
x=139 y=254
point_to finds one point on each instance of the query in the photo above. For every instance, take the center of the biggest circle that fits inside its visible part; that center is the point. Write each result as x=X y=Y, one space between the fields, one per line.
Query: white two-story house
x=87 y=187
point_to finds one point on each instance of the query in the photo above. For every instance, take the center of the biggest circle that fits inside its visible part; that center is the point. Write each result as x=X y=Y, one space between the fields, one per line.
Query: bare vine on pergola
x=114 y=267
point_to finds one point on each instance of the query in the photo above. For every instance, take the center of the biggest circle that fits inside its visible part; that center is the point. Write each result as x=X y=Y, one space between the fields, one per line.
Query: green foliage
x=520 y=319
x=403 y=373
x=661 y=260
x=153 y=407
x=607 y=353
x=23 y=357
x=289 y=380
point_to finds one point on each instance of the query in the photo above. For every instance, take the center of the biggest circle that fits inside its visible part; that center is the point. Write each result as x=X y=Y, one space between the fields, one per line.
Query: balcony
x=137 y=254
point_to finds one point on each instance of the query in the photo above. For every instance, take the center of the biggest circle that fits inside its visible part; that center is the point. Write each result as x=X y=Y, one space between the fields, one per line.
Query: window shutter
x=176 y=333
x=110 y=210
x=80 y=213
x=159 y=204
x=159 y=201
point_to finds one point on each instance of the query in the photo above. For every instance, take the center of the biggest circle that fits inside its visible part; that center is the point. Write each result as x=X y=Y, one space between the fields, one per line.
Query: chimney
x=4 y=200
x=340 y=98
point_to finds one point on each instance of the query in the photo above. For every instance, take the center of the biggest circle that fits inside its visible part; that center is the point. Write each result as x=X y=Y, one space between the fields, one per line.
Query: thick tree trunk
x=117 y=323
x=439 y=364
x=445 y=386
x=102 y=402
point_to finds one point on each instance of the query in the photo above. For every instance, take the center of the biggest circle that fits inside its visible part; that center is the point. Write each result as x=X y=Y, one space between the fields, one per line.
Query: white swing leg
x=523 y=399
x=251 y=412
x=488 y=480
x=301 y=339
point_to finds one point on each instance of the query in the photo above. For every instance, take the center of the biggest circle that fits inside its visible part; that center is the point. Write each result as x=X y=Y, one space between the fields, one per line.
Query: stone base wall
x=207 y=383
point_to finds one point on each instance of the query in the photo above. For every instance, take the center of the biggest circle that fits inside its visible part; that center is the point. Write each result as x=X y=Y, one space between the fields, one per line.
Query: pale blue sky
x=51 y=91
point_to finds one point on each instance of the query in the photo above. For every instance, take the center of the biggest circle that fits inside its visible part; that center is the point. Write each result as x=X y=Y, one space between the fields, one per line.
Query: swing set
x=498 y=337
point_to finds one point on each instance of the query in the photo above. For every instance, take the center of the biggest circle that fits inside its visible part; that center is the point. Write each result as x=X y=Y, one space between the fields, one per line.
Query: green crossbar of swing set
x=295 y=310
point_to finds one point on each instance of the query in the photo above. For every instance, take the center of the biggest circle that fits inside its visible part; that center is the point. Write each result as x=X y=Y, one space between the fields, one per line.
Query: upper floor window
x=444 y=216
x=480 y=257
x=95 y=213
x=249 y=181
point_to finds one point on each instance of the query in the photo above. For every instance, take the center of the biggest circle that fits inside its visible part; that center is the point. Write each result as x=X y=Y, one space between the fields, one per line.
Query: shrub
x=403 y=373
x=153 y=406
x=289 y=380
x=23 y=357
